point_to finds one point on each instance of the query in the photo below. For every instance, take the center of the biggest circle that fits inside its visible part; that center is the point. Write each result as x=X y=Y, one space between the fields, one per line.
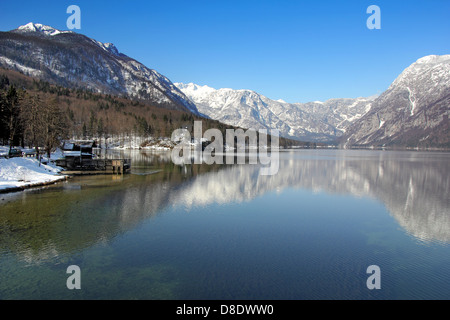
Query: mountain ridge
x=312 y=121
x=412 y=112
x=75 y=60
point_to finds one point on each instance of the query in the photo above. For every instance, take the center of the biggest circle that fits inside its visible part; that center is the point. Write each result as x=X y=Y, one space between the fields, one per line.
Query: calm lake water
x=225 y=232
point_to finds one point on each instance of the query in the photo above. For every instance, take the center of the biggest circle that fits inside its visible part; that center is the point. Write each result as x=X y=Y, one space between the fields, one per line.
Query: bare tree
x=54 y=126
x=33 y=119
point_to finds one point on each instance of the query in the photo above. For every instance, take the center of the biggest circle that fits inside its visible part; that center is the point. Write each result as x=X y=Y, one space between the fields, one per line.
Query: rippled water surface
x=226 y=232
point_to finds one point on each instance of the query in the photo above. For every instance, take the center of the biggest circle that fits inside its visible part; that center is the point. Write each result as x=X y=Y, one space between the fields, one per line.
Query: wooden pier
x=80 y=160
x=84 y=166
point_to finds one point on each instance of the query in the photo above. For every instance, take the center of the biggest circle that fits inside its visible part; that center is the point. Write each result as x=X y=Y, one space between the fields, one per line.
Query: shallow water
x=226 y=232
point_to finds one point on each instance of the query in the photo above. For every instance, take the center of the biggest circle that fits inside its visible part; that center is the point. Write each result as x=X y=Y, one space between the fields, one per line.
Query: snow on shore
x=135 y=143
x=16 y=173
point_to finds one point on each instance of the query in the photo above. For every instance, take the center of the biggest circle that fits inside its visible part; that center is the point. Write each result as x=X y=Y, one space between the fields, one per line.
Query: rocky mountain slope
x=412 y=112
x=70 y=59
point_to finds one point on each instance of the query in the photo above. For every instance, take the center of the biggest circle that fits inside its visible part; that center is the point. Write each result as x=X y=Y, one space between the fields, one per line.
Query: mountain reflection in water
x=414 y=186
x=65 y=218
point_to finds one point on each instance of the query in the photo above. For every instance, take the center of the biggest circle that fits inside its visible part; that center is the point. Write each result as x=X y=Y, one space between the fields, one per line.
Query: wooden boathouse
x=79 y=159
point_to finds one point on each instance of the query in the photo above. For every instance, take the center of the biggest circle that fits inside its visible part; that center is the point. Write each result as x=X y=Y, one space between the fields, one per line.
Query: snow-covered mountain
x=74 y=60
x=413 y=111
x=313 y=121
x=40 y=28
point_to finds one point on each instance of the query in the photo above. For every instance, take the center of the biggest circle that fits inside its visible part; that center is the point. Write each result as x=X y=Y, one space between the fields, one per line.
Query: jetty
x=79 y=159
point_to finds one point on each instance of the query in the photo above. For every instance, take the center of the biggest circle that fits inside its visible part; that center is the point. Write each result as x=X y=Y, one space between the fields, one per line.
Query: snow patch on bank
x=26 y=172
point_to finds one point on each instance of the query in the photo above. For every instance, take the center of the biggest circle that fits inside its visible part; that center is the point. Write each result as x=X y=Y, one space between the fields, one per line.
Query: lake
x=225 y=232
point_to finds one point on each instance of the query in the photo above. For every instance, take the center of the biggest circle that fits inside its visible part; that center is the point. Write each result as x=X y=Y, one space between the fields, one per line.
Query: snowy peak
x=50 y=31
x=40 y=28
x=111 y=48
x=194 y=89
x=198 y=90
x=433 y=59
x=108 y=47
x=429 y=66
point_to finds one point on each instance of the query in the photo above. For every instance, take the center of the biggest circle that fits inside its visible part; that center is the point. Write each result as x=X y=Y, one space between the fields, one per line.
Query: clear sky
x=294 y=50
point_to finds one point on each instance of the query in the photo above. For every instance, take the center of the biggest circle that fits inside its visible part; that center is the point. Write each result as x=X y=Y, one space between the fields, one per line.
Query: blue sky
x=298 y=51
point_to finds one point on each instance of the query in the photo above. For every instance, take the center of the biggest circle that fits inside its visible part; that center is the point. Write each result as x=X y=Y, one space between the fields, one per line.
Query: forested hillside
x=37 y=113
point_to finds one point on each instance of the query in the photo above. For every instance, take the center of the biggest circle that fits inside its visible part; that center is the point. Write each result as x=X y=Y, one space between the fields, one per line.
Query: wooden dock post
x=117 y=166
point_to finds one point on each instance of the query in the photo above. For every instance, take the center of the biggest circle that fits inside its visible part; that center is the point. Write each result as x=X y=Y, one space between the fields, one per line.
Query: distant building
x=79 y=159
x=80 y=148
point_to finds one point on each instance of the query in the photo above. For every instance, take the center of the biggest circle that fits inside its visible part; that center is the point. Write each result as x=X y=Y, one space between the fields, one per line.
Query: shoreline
x=33 y=185
x=21 y=173
x=53 y=174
